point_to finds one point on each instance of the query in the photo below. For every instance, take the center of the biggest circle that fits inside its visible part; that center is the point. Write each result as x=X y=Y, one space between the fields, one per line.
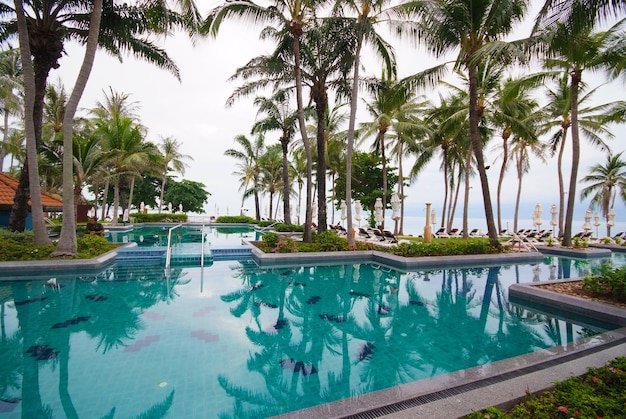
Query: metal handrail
x=269 y=226
x=169 y=246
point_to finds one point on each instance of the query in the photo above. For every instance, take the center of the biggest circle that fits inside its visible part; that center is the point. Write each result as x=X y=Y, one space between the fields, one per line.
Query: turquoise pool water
x=156 y=235
x=235 y=340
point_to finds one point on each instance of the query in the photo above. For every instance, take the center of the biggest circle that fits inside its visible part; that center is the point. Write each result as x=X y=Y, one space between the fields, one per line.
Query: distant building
x=8 y=186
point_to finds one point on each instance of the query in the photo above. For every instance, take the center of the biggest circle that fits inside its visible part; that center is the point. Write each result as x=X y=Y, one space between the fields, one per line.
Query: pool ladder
x=168 y=254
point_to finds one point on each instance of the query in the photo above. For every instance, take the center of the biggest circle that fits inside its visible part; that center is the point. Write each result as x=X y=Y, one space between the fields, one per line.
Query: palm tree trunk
x=477 y=146
x=505 y=159
x=307 y=237
x=520 y=172
x=116 y=200
x=468 y=163
x=105 y=197
x=384 y=161
x=67 y=239
x=286 y=184
x=350 y=145
x=571 y=197
x=4 y=140
x=163 y=181
x=321 y=104
x=561 y=182
x=41 y=235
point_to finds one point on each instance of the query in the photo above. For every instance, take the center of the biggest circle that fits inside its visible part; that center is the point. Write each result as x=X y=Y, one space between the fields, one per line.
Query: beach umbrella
x=537 y=216
x=395 y=206
x=125 y=216
x=587 y=225
x=313 y=211
x=180 y=207
x=357 y=210
x=378 y=211
x=344 y=208
x=555 y=212
x=611 y=220
x=433 y=216
x=169 y=207
x=596 y=221
x=142 y=206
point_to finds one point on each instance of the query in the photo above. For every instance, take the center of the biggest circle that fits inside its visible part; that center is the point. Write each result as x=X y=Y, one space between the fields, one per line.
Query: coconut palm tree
x=11 y=87
x=272 y=175
x=476 y=30
x=573 y=50
x=124 y=28
x=365 y=17
x=281 y=117
x=172 y=156
x=250 y=166
x=605 y=182
x=593 y=120
x=293 y=17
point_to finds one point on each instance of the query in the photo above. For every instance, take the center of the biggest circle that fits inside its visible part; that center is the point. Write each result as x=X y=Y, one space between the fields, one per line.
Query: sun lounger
x=364 y=233
x=389 y=236
x=380 y=236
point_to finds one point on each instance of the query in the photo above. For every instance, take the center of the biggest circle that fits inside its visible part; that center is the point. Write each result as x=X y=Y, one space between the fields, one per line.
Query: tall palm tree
x=271 y=175
x=173 y=159
x=40 y=233
x=476 y=29
x=293 y=18
x=605 y=183
x=11 y=87
x=124 y=28
x=281 y=117
x=593 y=121
x=367 y=14
x=574 y=49
x=249 y=162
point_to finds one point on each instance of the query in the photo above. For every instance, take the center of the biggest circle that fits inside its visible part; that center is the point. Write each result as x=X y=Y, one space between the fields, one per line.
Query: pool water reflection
x=237 y=340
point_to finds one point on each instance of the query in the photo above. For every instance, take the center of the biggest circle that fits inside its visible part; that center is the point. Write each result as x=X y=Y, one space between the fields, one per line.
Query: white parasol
x=125 y=216
x=344 y=208
x=596 y=222
x=180 y=207
x=611 y=221
x=169 y=207
x=378 y=211
x=395 y=206
x=555 y=212
x=537 y=216
x=587 y=225
x=142 y=206
x=357 y=210
x=433 y=216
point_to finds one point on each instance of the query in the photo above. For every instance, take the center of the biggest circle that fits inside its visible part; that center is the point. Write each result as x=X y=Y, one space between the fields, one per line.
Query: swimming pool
x=156 y=235
x=237 y=340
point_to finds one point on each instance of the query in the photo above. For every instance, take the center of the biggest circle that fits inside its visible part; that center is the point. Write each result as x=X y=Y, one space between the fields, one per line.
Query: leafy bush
x=601 y=392
x=288 y=227
x=285 y=245
x=270 y=239
x=329 y=241
x=21 y=247
x=447 y=247
x=235 y=219
x=156 y=218
x=607 y=281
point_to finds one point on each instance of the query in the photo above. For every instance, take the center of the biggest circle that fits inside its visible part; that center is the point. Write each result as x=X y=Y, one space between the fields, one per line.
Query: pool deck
x=457 y=394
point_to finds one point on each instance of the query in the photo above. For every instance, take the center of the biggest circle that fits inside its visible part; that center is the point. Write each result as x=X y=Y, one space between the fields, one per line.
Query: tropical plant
x=604 y=184
x=476 y=29
x=11 y=87
x=172 y=159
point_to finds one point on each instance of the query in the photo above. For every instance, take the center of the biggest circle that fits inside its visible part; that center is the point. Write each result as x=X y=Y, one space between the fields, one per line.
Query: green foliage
x=235 y=219
x=288 y=228
x=601 y=392
x=270 y=239
x=156 y=218
x=187 y=192
x=329 y=241
x=607 y=281
x=580 y=243
x=92 y=245
x=21 y=247
x=445 y=247
x=367 y=180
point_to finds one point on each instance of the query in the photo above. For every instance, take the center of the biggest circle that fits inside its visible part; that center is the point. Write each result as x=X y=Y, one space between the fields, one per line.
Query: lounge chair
x=389 y=236
x=364 y=233
x=619 y=235
x=379 y=236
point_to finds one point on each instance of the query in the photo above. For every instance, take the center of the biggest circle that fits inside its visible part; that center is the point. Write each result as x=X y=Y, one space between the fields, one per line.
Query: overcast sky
x=193 y=111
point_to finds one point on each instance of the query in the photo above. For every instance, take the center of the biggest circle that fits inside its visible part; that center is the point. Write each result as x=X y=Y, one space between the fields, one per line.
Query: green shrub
x=601 y=392
x=288 y=227
x=607 y=281
x=445 y=247
x=270 y=239
x=329 y=241
x=235 y=219
x=157 y=218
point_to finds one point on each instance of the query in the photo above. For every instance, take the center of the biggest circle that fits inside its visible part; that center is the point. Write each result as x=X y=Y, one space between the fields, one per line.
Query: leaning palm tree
x=249 y=161
x=293 y=17
x=573 y=50
x=172 y=159
x=476 y=29
x=605 y=181
x=50 y=25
